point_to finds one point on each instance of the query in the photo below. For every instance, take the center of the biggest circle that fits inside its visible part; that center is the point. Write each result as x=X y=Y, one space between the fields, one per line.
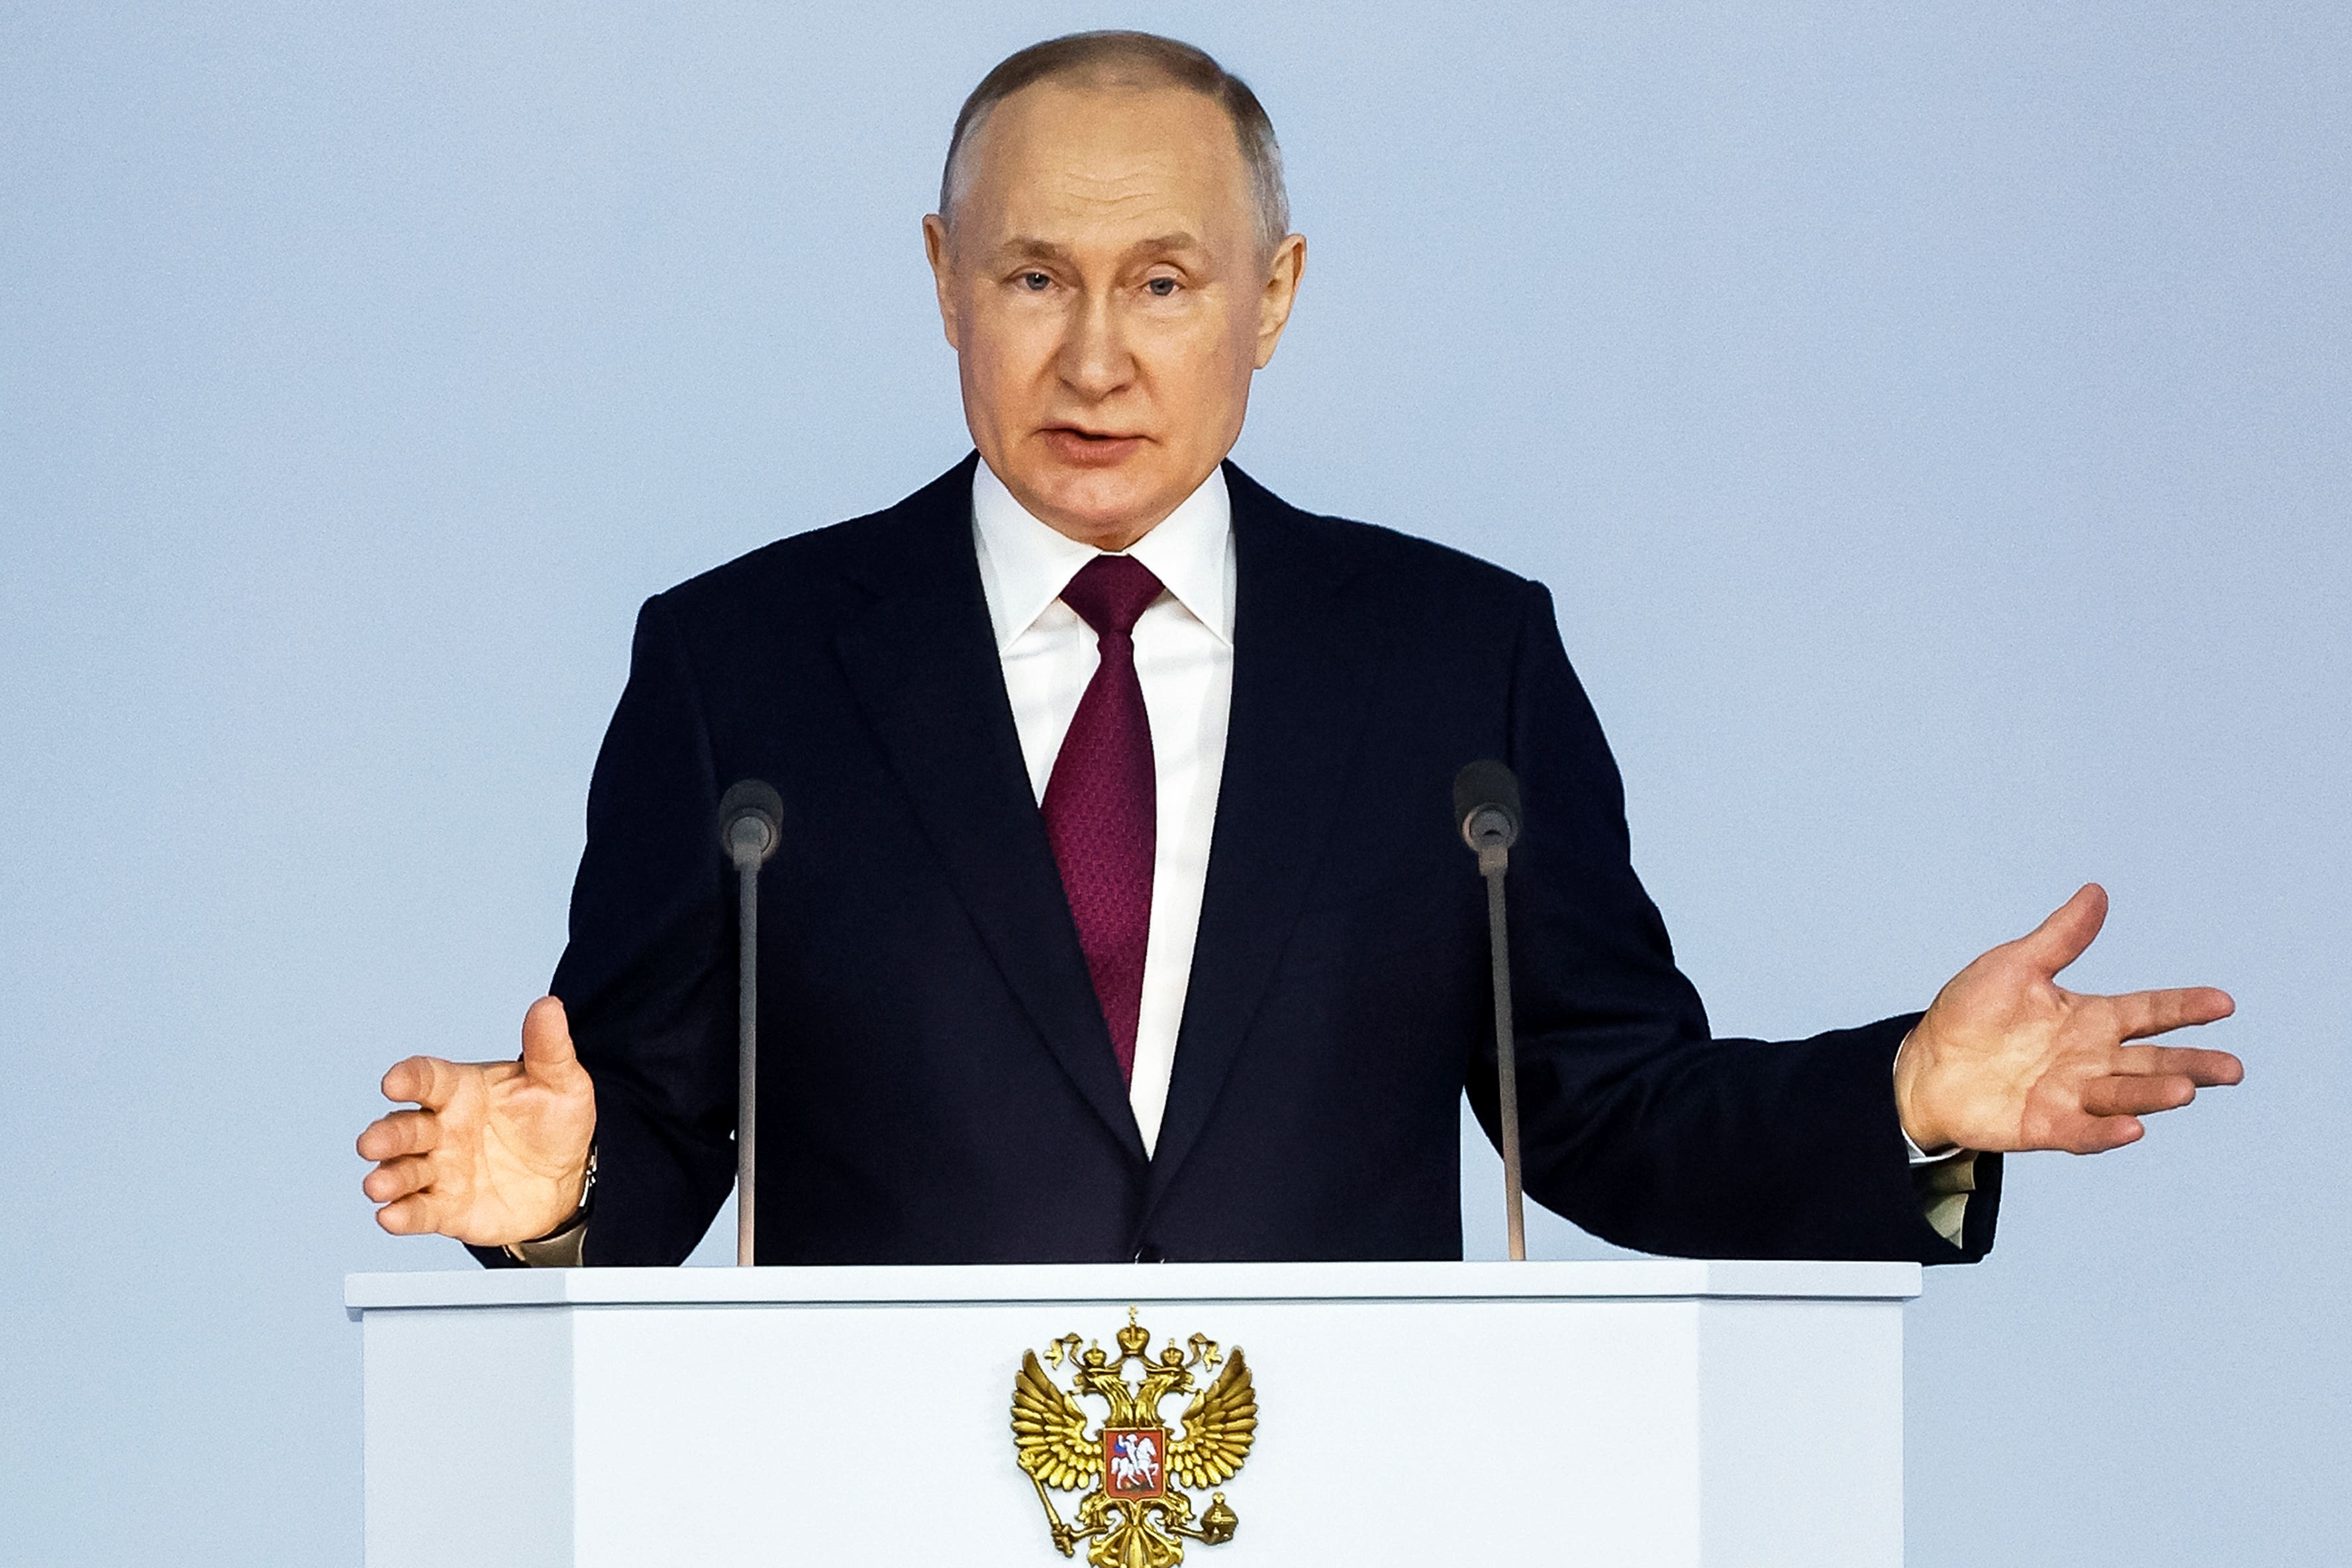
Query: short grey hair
x=1132 y=60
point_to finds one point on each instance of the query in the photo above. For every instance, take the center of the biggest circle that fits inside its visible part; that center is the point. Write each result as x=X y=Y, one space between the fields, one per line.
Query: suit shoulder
x=1440 y=566
x=793 y=566
x=1404 y=562
x=804 y=571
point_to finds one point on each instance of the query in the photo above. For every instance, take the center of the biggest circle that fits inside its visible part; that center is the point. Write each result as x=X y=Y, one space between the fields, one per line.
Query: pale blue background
x=1936 y=423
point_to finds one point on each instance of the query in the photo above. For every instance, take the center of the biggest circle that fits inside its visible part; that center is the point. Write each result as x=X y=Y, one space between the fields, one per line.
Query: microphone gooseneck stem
x=750 y=826
x=1492 y=861
x=747 y=1049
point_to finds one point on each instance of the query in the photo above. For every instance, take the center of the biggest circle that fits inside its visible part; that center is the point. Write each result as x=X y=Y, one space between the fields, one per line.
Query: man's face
x=1109 y=298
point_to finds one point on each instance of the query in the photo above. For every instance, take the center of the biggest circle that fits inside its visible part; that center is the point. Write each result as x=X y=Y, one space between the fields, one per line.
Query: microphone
x=750 y=820
x=750 y=829
x=1487 y=807
x=1487 y=810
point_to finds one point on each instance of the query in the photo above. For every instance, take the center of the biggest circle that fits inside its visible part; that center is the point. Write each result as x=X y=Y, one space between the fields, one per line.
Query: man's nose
x=1095 y=358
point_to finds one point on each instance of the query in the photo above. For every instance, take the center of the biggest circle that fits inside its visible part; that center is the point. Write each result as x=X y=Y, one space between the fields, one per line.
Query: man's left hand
x=2007 y=1058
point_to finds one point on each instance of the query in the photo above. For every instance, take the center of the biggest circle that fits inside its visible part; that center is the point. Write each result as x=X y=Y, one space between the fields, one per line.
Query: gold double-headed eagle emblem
x=1135 y=1517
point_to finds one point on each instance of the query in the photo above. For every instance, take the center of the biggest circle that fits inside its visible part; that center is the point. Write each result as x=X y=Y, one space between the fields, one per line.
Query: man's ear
x=1281 y=292
x=935 y=249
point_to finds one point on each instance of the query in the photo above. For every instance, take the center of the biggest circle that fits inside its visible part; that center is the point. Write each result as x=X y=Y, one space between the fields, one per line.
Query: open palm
x=2007 y=1058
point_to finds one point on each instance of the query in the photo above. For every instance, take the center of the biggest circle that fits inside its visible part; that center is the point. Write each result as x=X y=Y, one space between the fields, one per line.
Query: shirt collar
x=1025 y=564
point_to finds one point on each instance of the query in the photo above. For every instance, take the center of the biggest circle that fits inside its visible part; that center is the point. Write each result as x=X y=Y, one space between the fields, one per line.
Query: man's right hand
x=497 y=1151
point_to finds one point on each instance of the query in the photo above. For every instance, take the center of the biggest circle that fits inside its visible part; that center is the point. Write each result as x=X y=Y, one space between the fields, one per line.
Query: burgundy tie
x=1101 y=805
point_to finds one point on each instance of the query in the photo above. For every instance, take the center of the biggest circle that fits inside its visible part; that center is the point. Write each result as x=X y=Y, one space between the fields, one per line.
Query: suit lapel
x=1306 y=660
x=922 y=662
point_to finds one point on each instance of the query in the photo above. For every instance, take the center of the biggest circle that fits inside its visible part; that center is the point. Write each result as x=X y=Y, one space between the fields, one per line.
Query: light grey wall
x=1933 y=421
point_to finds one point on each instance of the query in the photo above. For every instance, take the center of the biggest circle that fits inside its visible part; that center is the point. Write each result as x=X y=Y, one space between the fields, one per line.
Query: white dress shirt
x=1184 y=662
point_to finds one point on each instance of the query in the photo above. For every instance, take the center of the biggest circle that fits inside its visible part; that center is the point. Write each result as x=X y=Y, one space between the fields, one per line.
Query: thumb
x=2061 y=939
x=547 y=1039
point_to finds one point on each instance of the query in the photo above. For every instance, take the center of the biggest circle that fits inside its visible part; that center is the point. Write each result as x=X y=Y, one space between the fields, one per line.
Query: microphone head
x=1487 y=805
x=750 y=821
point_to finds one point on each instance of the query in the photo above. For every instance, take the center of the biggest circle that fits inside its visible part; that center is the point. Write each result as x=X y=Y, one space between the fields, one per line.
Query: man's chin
x=1110 y=508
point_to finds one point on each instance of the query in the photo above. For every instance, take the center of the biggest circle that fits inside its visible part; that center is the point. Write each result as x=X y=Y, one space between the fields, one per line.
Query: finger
x=2206 y=1069
x=397 y=1178
x=2059 y=940
x=547 y=1038
x=2143 y=1013
x=2100 y=1133
x=402 y=1132
x=428 y=1080
x=2137 y=1096
x=415 y=1214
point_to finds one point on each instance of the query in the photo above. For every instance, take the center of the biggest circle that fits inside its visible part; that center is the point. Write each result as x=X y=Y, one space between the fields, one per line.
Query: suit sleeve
x=647 y=977
x=1635 y=1121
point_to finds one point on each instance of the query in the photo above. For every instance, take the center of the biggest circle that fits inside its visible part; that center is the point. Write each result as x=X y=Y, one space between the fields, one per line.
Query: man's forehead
x=1151 y=161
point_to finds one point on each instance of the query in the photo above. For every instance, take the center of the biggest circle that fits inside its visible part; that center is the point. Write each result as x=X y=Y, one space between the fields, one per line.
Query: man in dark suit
x=1119 y=913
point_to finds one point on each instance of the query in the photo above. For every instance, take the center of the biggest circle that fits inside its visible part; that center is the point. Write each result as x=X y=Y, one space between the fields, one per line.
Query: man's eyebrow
x=1180 y=240
x=1022 y=247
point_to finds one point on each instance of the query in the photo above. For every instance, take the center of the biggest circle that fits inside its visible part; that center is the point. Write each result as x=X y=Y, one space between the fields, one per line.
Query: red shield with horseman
x=1134 y=1462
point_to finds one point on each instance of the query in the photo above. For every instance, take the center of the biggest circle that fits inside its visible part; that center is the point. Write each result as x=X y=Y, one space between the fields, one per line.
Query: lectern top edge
x=982 y=1284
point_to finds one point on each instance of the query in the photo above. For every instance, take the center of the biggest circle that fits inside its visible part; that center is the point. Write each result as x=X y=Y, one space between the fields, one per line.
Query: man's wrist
x=561 y=1248
x=1920 y=1154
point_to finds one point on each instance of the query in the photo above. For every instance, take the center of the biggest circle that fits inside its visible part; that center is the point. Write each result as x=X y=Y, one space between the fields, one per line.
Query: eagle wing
x=1050 y=1431
x=1219 y=1425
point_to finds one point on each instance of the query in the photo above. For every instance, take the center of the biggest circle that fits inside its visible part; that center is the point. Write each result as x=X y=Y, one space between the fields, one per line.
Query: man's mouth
x=1090 y=448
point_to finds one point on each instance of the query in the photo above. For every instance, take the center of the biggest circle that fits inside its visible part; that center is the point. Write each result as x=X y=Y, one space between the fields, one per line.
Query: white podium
x=1626 y=1414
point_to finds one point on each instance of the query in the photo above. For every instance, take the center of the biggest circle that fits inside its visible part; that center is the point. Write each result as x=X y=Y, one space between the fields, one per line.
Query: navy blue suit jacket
x=936 y=1081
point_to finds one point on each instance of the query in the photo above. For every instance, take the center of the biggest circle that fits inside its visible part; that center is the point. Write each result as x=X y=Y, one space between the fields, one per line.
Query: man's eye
x=1035 y=282
x=1162 y=287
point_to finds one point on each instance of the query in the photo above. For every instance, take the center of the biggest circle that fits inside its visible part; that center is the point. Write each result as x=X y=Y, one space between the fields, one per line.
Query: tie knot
x=1110 y=592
